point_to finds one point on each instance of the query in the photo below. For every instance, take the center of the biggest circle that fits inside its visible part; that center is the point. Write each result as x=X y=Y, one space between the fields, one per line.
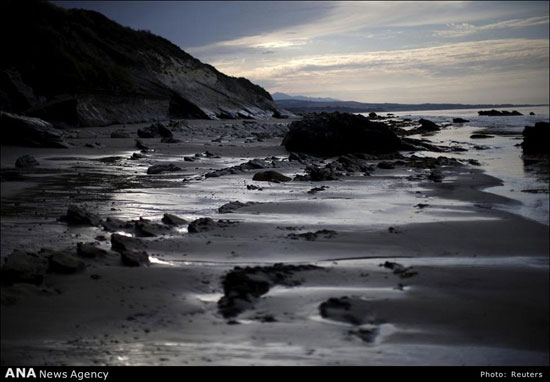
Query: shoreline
x=465 y=254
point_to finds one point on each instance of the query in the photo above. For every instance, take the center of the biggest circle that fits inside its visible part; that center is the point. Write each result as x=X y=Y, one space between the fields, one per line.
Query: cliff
x=79 y=68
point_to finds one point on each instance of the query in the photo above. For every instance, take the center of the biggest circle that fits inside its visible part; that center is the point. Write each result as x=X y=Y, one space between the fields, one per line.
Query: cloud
x=466 y=29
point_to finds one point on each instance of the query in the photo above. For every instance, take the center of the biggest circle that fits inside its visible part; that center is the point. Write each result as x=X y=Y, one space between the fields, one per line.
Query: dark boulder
x=163 y=167
x=174 y=220
x=24 y=267
x=25 y=131
x=146 y=228
x=536 y=138
x=201 y=225
x=156 y=130
x=61 y=262
x=233 y=206
x=497 y=113
x=79 y=215
x=331 y=134
x=90 y=250
x=270 y=176
x=121 y=243
x=26 y=161
x=460 y=120
x=134 y=258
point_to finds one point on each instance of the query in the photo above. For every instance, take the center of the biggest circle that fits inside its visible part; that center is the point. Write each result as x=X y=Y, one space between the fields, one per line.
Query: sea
x=501 y=155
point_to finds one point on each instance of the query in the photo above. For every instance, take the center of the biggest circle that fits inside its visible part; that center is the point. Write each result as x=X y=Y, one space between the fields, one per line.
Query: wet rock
x=481 y=136
x=137 y=156
x=366 y=335
x=536 y=138
x=497 y=113
x=155 y=130
x=122 y=243
x=90 y=250
x=317 y=174
x=422 y=205
x=531 y=113
x=460 y=120
x=385 y=165
x=114 y=224
x=163 y=167
x=427 y=125
x=26 y=161
x=141 y=146
x=474 y=162
x=25 y=131
x=331 y=134
x=61 y=262
x=253 y=187
x=134 y=258
x=315 y=190
x=120 y=134
x=79 y=215
x=243 y=286
x=270 y=176
x=233 y=206
x=399 y=269
x=146 y=228
x=202 y=225
x=302 y=158
x=435 y=176
x=348 y=309
x=312 y=236
x=23 y=267
x=173 y=220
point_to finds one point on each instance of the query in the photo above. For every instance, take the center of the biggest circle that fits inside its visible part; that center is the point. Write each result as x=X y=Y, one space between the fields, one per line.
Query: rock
x=253 y=187
x=315 y=190
x=531 y=113
x=113 y=224
x=427 y=125
x=201 y=225
x=386 y=165
x=232 y=206
x=90 y=250
x=173 y=220
x=146 y=228
x=24 y=267
x=25 y=131
x=155 y=130
x=435 y=176
x=351 y=310
x=330 y=134
x=536 y=138
x=163 y=167
x=78 y=215
x=137 y=156
x=134 y=258
x=120 y=134
x=312 y=236
x=317 y=174
x=398 y=269
x=122 y=243
x=61 y=262
x=373 y=115
x=460 y=120
x=474 y=162
x=497 y=113
x=26 y=161
x=141 y=146
x=481 y=136
x=270 y=176
x=243 y=286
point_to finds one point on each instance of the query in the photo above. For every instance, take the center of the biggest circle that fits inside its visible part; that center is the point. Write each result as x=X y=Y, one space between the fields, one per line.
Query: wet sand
x=476 y=292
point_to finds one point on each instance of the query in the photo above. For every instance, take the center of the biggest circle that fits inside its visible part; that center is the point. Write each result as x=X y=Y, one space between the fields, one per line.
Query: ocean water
x=501 y=157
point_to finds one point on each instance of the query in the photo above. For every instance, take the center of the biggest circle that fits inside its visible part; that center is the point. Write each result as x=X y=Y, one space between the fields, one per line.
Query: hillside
x=80 y=68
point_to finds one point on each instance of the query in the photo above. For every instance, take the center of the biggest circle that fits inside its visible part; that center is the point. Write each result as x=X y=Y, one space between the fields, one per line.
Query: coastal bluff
x=77 y=67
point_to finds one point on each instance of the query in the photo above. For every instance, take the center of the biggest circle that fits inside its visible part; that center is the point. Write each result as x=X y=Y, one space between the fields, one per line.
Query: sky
x=368 y=51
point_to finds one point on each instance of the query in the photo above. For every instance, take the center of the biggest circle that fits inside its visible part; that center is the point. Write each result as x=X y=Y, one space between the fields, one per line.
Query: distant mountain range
x=301 y=104
x=287 y=97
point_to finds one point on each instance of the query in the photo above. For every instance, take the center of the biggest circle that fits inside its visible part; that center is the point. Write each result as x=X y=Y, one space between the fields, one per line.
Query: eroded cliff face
x=79 y=68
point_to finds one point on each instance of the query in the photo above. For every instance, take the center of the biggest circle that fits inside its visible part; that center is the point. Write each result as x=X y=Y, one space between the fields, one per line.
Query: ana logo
x=20 y=372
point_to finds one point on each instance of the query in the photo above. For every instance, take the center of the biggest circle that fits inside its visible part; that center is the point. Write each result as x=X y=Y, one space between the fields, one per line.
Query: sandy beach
x=387 y=269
